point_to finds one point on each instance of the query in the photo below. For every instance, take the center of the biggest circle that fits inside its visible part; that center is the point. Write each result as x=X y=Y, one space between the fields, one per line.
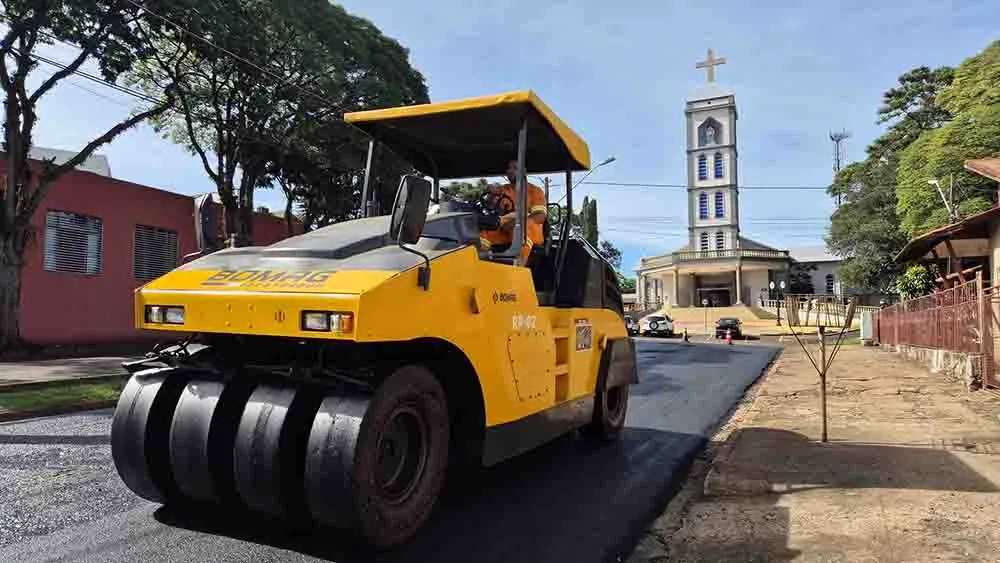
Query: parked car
x=656 y=325
x=734 y=326
x=631 y=325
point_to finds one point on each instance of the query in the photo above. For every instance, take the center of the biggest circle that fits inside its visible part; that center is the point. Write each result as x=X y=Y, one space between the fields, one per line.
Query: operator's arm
x=536 y=209
x=537 y=206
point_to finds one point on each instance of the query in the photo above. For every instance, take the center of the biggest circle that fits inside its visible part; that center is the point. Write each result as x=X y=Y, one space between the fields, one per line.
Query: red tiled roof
x=988 y=167
x=973 y=226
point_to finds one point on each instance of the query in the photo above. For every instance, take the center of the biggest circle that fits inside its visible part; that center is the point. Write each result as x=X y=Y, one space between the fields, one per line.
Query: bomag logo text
x=268 y=279
x=504 y=297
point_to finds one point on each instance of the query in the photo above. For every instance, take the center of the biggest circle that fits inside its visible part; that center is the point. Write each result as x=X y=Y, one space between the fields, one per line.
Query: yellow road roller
x=337 y=376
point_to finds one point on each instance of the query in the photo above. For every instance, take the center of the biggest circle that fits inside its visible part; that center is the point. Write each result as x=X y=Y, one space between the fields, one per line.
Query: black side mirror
x=409 y=211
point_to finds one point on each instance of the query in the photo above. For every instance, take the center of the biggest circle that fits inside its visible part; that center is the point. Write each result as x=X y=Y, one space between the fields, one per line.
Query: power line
x=91 y=77
x=282 y=80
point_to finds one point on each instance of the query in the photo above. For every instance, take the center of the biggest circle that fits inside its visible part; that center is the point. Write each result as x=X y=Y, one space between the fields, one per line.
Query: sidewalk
x=21 y=373
x=911 y=472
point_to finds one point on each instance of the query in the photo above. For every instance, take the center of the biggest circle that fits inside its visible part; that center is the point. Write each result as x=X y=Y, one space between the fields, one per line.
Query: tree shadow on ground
x=567 y=501
x=739 y=519
x=793 y=461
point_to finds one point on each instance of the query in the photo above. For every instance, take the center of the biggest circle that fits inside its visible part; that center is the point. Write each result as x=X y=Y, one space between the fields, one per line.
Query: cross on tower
x=710 y=64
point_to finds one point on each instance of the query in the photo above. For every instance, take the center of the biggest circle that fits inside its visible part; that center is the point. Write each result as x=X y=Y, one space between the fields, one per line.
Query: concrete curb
x=51 y=411
x=30 y=385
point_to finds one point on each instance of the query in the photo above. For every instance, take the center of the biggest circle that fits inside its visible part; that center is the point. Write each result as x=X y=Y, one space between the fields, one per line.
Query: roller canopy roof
x=476 y=136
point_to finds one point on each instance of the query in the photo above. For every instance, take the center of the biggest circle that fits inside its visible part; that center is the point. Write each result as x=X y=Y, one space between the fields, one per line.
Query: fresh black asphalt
x=61 y=499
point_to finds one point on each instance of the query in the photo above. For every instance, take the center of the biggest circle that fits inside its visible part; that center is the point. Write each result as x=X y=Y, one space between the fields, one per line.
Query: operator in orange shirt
x=536 y=215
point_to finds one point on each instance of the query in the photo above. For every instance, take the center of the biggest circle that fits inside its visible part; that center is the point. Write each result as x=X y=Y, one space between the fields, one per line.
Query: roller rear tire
x=610 y=409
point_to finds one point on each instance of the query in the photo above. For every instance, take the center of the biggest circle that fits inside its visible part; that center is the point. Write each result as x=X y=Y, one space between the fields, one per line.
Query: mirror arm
x=424 y=273
x=366 y=190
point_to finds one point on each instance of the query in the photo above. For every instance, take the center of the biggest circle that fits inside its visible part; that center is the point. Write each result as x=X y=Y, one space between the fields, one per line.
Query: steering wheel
x=490 y=207
x=493 y=202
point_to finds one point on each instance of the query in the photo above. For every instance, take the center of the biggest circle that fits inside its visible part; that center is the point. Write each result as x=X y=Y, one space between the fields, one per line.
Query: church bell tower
x=713 y=197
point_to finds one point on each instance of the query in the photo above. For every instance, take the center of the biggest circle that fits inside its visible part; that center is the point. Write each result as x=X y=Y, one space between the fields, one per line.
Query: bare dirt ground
x=911 y=472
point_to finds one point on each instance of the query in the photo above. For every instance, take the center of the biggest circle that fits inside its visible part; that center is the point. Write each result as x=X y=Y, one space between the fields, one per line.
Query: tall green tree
x=800 y=278
x=105 y=32
x=588 y=220
x=298 y=67
x=865 y=230
x=972 y=130
x=468 y=192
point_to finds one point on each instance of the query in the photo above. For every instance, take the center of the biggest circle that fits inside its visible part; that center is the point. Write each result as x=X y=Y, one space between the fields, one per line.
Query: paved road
x=61 y=500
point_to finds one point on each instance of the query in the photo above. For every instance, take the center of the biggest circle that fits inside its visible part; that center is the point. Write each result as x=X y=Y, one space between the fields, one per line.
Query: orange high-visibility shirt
x=536 y=204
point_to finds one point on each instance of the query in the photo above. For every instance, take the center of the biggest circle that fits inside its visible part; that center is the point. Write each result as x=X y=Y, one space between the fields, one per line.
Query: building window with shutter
x=703 y=205
x=73 y=243
x=702 y=167
x=704 y=242
x=717 y=164
x=720 y=240
x=154 y=253
x=830 y=281
x=720 y=205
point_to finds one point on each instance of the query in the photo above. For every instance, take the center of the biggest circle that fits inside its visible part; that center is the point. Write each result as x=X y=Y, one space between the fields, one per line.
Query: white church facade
x=718 y=266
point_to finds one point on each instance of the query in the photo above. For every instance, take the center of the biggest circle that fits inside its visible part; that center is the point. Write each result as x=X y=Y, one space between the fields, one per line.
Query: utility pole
x=838 y=138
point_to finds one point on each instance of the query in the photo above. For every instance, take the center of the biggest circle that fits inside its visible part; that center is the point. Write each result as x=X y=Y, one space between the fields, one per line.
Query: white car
x=656 y=325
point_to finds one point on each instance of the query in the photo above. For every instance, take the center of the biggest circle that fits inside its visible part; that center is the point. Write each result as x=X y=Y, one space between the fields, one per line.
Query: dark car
x=734 y=326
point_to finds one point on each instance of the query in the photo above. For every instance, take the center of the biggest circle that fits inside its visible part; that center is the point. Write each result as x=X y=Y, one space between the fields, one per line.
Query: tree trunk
x=10 y=300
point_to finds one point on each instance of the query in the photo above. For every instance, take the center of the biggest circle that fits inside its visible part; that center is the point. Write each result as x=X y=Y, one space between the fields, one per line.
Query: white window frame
x=89 y=237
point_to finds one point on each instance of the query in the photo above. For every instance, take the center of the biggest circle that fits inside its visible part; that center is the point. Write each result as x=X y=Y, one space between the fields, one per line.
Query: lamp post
x=604 y=162
x=949 y=202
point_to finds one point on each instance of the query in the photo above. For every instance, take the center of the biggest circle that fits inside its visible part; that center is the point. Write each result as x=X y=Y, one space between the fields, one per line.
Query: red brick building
x=96 y=240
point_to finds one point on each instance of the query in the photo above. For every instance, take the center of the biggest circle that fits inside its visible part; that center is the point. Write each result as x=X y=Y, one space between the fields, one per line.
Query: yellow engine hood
x=273 y=280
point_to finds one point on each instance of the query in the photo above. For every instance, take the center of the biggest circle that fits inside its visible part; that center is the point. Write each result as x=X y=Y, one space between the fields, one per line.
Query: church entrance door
x=716 y=297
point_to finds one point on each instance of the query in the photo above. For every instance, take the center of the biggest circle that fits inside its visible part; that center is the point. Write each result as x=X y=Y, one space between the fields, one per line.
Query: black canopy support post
x=518 y=238
x=548 y=220
x=566 y=224
x=366 y=193
x=436 y=194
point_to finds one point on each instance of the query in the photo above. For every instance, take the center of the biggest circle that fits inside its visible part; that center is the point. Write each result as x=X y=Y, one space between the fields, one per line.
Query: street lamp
x=608 y=160
x=948 y=201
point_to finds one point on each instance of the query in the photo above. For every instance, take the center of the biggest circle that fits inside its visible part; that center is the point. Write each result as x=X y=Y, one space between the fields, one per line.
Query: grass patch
x=70 y=394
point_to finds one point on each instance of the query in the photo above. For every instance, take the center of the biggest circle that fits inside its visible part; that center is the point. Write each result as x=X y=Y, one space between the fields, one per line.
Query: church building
x=718 y=266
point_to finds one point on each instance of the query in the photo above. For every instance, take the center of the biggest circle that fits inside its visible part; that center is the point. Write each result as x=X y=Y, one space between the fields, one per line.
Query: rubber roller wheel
x=269 y=449
x=610 y=408
x=201 y=439
x=139 y=431
x=379 y=468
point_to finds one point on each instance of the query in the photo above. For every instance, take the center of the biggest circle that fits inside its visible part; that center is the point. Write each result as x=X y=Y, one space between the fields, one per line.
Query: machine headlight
x=174 y=316
x=159 y=314
x=319 y=322
x=322 y=321
x=154 y=314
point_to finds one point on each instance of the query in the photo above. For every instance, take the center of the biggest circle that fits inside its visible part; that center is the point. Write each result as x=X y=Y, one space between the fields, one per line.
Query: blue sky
x=618 y=74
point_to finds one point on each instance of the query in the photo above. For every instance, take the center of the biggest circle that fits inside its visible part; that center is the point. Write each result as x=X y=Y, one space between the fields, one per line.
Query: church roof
x=812 y=254
x=708 y=91
x=754 y=245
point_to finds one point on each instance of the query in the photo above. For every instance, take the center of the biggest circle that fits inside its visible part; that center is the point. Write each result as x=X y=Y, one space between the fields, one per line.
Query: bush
x=915 y=282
